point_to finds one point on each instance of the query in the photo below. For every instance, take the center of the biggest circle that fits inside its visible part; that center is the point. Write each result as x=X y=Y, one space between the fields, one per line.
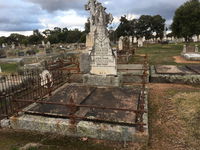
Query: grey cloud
x=165 y=8
x=16 y=17
x=24 y=15
x=54 y=5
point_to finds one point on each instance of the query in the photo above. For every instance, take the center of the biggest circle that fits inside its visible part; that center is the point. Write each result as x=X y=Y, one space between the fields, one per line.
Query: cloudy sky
x=23 y=16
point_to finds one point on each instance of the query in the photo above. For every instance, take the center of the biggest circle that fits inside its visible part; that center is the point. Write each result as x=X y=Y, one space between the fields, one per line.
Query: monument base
x=104 y=81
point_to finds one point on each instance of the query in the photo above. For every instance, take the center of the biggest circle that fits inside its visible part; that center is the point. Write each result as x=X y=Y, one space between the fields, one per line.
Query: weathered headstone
x=103 y=58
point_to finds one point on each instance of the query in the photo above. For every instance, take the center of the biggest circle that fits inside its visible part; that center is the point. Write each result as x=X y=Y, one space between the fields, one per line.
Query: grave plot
x=75 y=110
x=191 y=53
x=188 y=74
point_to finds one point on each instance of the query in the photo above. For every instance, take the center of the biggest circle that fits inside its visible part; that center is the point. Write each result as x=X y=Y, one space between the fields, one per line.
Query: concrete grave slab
x=170 y=69
x=174 y=74
x=194 y=68
x=49 y=118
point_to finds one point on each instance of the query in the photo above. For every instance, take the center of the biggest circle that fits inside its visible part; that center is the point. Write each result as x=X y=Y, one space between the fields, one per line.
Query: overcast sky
x=23 y=16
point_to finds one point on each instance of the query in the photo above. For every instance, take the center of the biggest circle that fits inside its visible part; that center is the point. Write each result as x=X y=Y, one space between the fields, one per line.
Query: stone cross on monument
x=103 y=58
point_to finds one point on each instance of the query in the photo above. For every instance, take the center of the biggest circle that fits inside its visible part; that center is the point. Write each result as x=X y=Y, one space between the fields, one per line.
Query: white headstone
x=130 y=39
x=184 y=49
x=43 y=43
x=13 y=45
x=143 y=39
x=195 y=38
x=134 y=40
x=140 y=42
x=48 y=44
x=3 y=45
x=0 y=70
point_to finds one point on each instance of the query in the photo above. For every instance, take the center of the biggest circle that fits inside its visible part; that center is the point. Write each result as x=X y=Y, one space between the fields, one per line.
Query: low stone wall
x=82 y=129
x=97 y=80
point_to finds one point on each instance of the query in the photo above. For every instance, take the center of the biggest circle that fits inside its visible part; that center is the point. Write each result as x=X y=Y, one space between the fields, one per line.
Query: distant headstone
x=195 y=38
x=196 y=49
x=130 y=40
x=43 y=43
x=48 y=45
x=13 y=45
x=134 y=40
x=190 y=49
x=184 y=49
x=0 y=70
x=140 y=42
x=3 y=45
x=143 y=39
x=120 y=43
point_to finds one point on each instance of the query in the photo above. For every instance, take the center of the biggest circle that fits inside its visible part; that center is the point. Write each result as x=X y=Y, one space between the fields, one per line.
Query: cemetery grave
x=143 y=93
x=191 y=53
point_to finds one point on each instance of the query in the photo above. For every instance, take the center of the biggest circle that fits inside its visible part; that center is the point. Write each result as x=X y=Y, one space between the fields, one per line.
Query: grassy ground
x=9 y=67
x=174 y=117
x=162 y=54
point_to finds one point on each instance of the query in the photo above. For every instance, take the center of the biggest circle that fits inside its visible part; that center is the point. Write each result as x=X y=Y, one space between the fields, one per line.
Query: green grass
x=162 y=54
x=9 y=67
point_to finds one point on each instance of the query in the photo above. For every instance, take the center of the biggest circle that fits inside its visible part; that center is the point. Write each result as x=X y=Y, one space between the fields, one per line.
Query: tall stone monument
x=103 y=60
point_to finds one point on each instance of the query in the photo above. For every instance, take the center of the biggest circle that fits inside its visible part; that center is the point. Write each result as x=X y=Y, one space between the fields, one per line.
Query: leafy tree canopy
x=186 y=21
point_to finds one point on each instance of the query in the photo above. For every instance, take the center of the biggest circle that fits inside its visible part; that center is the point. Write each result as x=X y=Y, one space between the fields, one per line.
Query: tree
x=158 y=25
x=124 y=29
x=36 y=38
x=144 y=26
x=186 y=21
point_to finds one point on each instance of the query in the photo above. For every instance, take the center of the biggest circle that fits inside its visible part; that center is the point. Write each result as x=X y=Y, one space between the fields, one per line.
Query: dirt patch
x=179 y=59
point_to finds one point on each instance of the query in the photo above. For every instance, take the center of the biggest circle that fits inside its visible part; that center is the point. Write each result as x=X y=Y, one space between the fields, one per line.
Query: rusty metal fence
x=26 y=85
